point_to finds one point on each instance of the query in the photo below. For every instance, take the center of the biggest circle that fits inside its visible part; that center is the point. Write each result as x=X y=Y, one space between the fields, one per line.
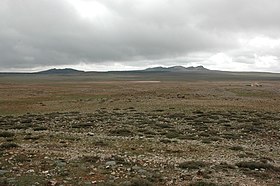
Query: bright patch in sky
x=260 y=42
x=89 y=9
x=221 y=58
x=266 y=61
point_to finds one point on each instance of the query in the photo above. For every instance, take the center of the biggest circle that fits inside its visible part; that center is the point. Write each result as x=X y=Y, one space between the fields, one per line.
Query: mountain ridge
x=176 y=69
x=60 y=71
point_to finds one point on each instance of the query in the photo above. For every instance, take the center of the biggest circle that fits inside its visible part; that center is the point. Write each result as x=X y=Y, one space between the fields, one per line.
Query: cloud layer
x=133 y=34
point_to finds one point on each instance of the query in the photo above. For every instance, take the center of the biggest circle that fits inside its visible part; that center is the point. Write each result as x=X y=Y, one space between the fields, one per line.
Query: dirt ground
x=139 y=133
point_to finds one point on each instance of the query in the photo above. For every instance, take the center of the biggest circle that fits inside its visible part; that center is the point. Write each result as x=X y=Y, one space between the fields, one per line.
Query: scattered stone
x=110 y=163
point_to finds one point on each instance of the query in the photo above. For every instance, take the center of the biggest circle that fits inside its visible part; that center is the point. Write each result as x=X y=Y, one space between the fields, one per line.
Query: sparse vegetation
x=236 y=148
x=257 y=165
x=192 y=165
x=121 y=132
x=7 y=145
x=202 y=183
x=6 y=134
x=40 y=128
x=127 y=133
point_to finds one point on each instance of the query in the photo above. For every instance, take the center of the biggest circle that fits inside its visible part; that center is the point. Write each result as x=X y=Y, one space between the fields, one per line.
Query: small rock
x=11 y=180
x=2 y=172
x=110 y=163
x=52 y=182
x=87 y=183
x=30 y=171
x=136 y=168
x=60 y=163
x=90 y=134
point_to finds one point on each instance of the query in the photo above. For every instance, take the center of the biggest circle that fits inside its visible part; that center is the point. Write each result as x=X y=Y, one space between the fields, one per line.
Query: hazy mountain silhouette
x=176 y=69
x=61 y=71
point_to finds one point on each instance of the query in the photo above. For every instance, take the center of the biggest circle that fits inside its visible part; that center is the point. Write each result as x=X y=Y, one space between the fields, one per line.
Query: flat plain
x=140 y=129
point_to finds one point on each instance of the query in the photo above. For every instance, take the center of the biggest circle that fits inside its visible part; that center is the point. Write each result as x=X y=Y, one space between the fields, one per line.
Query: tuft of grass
x=172 y=134
x=6 y=134
x=21 y=158
x=82 y=125
x=29 y=137
x=40 y=128
x=237 y=148
x=231 y=136
x=224 y=166
x=138 y=182
x=121 y=132
x=192 y=164
x=257 y=165
x=202 y=183
x=8 y=145
x=164 y=126
x=90 y=159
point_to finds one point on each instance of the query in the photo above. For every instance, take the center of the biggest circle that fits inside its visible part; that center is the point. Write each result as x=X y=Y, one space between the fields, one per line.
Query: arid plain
x=139 y=129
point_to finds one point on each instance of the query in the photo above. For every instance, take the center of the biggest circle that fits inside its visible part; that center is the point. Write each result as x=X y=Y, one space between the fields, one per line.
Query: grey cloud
x=49 y=32
x=257 y=16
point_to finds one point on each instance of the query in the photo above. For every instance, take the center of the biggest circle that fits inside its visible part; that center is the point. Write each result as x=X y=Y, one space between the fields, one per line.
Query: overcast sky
x=238 y=35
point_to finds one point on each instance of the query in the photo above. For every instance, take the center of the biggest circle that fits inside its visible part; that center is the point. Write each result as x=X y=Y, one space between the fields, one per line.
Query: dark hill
x=61 y=71
x=176 y=69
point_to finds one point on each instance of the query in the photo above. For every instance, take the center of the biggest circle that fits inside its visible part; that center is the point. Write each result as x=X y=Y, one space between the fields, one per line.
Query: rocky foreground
x=127 y=147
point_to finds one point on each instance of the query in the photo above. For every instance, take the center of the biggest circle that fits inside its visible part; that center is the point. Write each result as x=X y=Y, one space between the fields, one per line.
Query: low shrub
x=6 y=134
x=121 y=132
x=8 y=145
x=257 y=165
x=202 y=183
x=192 y=164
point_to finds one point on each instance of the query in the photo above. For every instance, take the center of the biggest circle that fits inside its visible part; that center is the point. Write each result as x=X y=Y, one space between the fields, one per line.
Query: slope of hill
x=176 y=69
x=61 y=71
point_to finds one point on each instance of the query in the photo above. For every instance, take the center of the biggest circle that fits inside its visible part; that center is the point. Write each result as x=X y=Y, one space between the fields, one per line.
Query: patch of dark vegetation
x=202 y=183
x=148 y=132
x=223 y=166
x=27 y=120
x=231 y=136
x=266 y=159
x=6 y=134
x=31 y=180
x=137 y=182
x=41 y=128
x=165 y=141
x=82 y=125
x=252 y=165
x=21 y=158
x=121 y=132
x=26 y=126
x=8 y=145
x=100 y=143
x=164 y=126
x=259 y=174
x=4 y=182
x=247 y=155
x=237 y=148
x=90 y=159
x=206 y=141
x=30 y=137
x=192 y=164
x=159 y=110
x=172 y=134
x=191 y=137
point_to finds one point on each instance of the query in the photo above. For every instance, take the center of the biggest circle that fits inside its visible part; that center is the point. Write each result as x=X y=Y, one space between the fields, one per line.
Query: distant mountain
x=61 y=71
x=176 y=69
